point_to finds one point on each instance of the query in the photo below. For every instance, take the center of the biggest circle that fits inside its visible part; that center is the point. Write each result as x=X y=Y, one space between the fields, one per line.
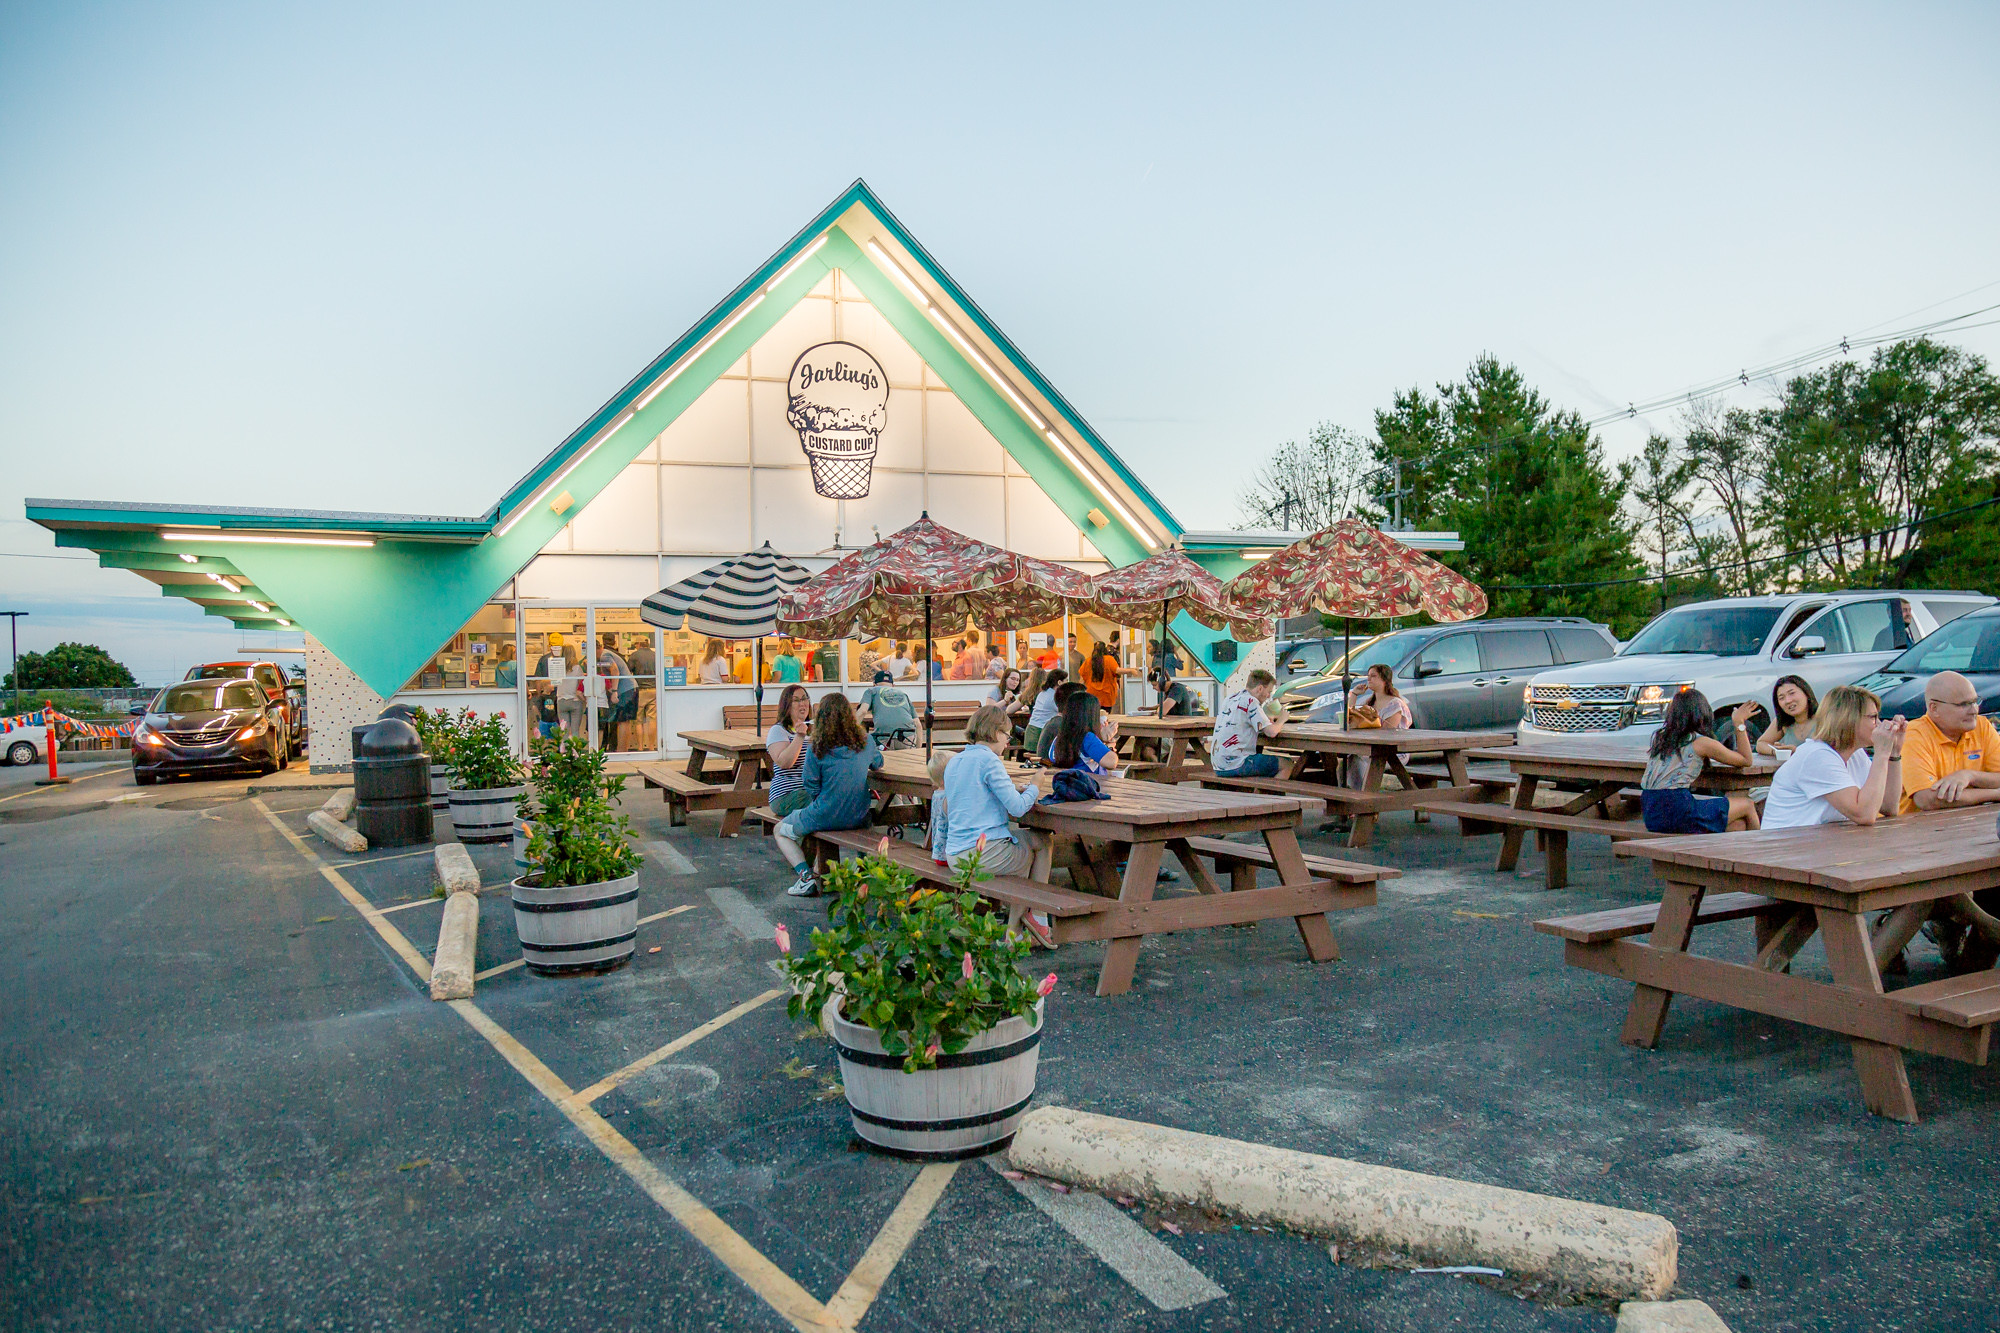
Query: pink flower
x=882 y=847
x=980 y=846
x=785 y=943
x=965 y=965
x=1048 y=982
x=930 y=1051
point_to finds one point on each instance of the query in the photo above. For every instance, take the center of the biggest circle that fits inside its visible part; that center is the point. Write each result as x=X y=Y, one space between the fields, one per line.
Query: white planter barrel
x=582 y=928
x=523 y=830
x=440 y=787
x=970 y=1104
x=484 y=814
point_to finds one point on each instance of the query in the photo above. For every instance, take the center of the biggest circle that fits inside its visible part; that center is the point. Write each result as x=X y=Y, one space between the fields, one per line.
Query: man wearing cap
x=1951 y=755
x=888 y=714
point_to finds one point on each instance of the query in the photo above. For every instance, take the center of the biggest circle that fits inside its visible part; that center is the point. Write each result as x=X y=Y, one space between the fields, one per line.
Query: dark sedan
x=1969 y=645
x=209 y=726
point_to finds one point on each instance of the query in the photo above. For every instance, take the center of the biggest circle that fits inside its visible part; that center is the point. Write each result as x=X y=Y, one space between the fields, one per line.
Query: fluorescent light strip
x=987 y=366
x=286 y=623
x=274 y=541
x=1256 y=555
x=896 y=272
x=549 y=487
x=788 y=269
x=225 y=582
x=1076 y=464
x=191 y=559
x=696 y=354
x=259 y=605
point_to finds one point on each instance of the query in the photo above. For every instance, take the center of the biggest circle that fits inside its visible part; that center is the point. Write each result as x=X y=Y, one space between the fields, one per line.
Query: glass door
x=625 y=682
x=555 y=641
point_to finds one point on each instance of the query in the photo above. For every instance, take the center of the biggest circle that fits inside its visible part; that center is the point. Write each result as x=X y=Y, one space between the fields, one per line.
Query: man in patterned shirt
x=1232 y=746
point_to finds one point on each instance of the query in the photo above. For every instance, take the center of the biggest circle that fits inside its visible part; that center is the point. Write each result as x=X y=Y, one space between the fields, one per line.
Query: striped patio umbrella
x=736 y=599
x=898 y=585
x=1168 y=584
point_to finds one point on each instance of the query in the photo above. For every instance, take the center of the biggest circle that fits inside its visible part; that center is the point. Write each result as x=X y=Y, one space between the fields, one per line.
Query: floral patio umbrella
x=1353 y=571
x=1168 y=584
x=902 y=584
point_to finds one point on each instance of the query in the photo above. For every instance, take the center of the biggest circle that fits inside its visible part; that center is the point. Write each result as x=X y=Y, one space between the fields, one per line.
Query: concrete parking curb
x=1669 y=1317
x=455 y=869
x=340 y=805
x=331 y=830
x=1606 y=1251
x=455 y=962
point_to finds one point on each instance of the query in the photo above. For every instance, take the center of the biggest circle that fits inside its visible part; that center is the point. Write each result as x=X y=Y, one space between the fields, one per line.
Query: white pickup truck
x=1732 y=650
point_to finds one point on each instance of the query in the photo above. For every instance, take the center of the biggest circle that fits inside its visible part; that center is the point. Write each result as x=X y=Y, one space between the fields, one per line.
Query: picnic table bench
x=700 y=785
x=1119 y=843
x=947 y=714
x=1185 y=740
x=1796 y=883
x=1313 y=752
x=1591 y=776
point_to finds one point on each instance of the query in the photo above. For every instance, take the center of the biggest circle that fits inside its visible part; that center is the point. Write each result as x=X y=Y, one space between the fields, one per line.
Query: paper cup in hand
x=839 y=403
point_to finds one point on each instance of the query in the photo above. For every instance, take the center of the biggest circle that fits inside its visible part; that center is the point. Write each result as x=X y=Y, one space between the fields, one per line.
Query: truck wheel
x=21 y=754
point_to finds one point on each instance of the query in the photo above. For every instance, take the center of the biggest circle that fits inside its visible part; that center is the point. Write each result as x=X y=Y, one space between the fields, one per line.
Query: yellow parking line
x=645 y=1062
x=771 y=1283
x=856 y=1294
x=32 y=791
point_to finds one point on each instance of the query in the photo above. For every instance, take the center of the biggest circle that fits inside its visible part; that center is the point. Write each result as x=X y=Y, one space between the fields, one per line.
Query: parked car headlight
x=254 y=730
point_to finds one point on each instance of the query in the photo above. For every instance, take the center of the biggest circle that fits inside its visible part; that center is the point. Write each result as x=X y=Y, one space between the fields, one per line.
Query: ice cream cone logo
x=839 y=404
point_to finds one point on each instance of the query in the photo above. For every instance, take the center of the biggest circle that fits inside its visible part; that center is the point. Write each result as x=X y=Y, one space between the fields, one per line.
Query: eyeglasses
x=1956 y=703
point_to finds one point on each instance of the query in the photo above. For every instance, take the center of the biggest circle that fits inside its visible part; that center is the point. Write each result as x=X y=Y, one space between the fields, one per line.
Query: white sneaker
x=805 y=886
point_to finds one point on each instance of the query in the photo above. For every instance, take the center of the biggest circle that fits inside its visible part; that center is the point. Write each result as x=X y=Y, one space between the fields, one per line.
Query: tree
x=1658 y=483
x=1310 y=485
x=70 y=666
x=1725 y=454
x=1526 y=487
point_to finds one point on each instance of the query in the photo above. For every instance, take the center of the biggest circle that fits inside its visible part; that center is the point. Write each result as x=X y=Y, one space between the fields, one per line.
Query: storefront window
x=558 y=696
x=478 y=657
x=627 y=695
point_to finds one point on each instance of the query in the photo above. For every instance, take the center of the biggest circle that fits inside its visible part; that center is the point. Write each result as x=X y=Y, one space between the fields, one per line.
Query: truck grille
x=1579 y=717
x=1592 y=694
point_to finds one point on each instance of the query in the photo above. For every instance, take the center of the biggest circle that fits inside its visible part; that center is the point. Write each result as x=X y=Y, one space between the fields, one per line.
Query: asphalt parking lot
x=232 y=1105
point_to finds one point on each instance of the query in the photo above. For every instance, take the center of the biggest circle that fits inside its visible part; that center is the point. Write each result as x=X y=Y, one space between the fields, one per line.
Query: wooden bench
x=684 y=794
x=1017 y=894
x=950 y=714
x=1552 y=827
x=1623 y=922
x=1244 y=859
x=1309 y=791
x=1968 y=1001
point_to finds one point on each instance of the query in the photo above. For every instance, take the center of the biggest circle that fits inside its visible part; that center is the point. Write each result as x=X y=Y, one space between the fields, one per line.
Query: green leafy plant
x=579 y=837
x=482 y=753
x=437 y=729
x=925 y=968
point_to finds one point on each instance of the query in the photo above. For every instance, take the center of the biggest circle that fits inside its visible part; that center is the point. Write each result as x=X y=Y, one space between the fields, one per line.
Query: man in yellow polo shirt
x=1951 y=755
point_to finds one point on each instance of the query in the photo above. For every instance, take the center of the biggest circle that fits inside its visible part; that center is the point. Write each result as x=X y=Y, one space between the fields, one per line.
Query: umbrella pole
x=757 y=677
x=1161 y=666
x=930 y=673
x=1346 y=676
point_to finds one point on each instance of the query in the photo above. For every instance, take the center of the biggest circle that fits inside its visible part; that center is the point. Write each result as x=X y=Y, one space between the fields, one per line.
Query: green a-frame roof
x=343 y=577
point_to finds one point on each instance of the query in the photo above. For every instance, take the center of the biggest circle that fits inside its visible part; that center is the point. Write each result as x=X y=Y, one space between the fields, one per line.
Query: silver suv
x=1462 y=677
x=1732 y=650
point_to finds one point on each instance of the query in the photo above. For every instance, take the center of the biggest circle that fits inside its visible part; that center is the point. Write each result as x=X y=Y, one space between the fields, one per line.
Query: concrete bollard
x=335 y=832
x=454 y=868
x=340 y=805
x=455 y=962
x=1608 y=1251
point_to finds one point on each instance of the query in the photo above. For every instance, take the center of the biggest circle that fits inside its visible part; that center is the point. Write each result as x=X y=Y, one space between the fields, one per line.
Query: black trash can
x=392 y=784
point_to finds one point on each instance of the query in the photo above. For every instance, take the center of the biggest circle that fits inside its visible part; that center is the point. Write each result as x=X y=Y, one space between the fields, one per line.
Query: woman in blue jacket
x=835 y=784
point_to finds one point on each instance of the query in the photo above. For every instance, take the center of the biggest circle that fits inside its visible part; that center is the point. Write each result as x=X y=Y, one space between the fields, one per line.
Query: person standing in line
x=1951 y=755
x=900 y=666
x=1831 y=778
x=1075 y=660
x=786 y=667
x=1104 y=678
x=714 y=664
x=1681 y=748
x=644 y=664
x=1232 y=745
x=506 y=671
x=834 y=785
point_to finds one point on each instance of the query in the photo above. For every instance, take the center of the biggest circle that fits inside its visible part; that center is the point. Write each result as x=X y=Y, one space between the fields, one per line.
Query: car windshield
x=219 y=671
x=206 y=698
x=1967 y=645
x=1728 y=631
x=1382 y=650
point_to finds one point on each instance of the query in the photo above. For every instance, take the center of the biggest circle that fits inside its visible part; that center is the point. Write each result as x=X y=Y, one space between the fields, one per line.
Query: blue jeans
x=1256 y=766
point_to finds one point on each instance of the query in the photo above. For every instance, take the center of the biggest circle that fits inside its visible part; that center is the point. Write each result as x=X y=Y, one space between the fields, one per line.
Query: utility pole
x=1394 y=497
x=14 y=633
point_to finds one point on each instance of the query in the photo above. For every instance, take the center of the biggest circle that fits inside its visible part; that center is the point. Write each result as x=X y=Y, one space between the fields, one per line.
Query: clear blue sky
x=384 y=257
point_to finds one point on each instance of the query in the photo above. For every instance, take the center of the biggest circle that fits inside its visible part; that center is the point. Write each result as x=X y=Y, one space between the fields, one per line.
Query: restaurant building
x=844 y=388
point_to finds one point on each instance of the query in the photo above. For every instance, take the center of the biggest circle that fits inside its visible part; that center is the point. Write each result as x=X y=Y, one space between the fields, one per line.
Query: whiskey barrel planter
x=523 y=831
x=441 y=787
x=484 y=814
x=970 y=1104
x=577 y=928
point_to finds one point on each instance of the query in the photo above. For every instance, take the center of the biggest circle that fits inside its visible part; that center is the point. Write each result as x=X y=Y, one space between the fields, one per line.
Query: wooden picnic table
x=739 y=755
x=1138 y=825
x=1823 y=880
x=1592 y=776
x=1185 y=739
x=1313 y=750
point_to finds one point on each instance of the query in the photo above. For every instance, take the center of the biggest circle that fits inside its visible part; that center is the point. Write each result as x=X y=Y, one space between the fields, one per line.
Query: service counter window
x=478 y=657
x=809 y=660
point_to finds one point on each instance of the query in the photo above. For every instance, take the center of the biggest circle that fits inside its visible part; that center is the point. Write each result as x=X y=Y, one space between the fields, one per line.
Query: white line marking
x=1127 y=1249
x=414 y=902
x=744 y=917
x=509 y=967
x=676 y=861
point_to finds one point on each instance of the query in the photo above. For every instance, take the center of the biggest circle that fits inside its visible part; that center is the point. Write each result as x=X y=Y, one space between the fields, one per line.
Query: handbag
x=1362 y=716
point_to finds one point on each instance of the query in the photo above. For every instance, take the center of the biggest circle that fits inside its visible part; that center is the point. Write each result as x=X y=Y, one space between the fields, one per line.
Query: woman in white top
x=714 y=665
x=1381 y=700
x=1043 y=711
x=1830 y=777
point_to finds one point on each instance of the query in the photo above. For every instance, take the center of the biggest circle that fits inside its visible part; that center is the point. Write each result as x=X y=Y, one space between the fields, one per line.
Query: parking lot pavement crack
x=1165 y=1279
